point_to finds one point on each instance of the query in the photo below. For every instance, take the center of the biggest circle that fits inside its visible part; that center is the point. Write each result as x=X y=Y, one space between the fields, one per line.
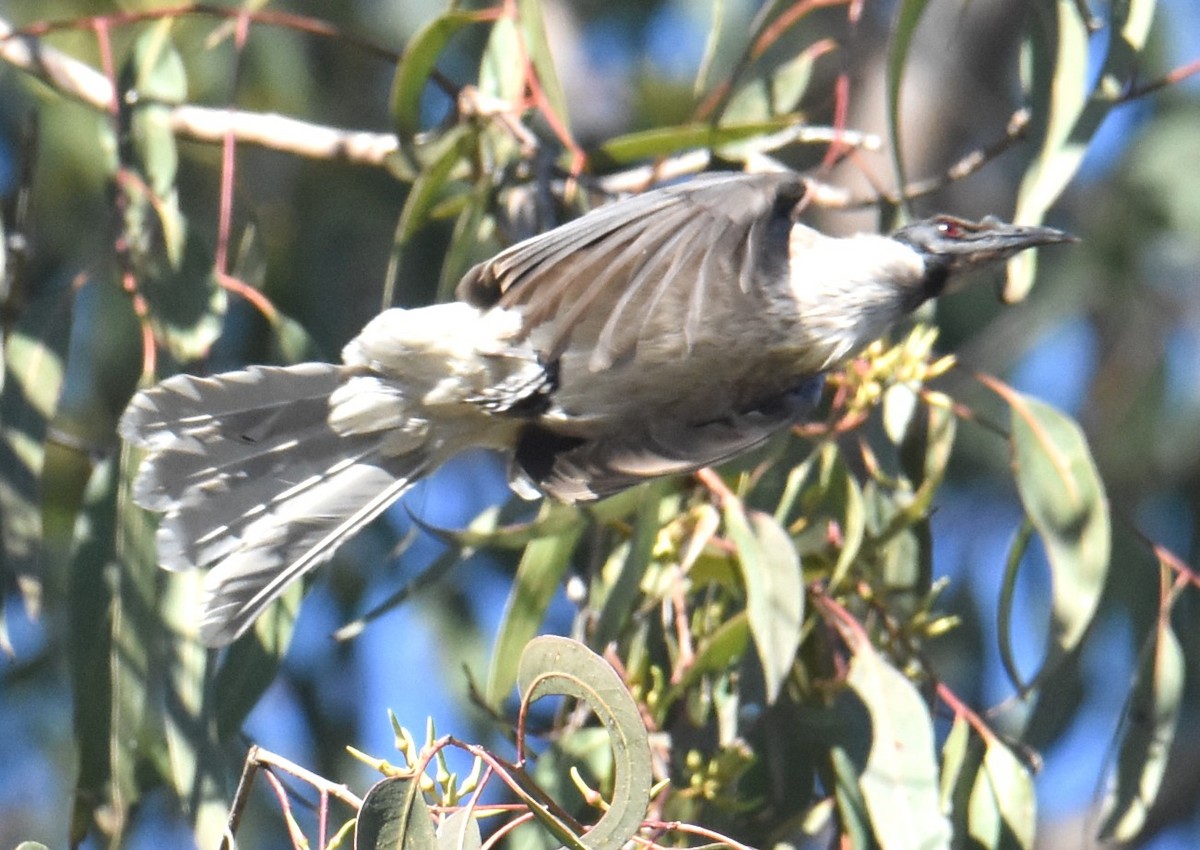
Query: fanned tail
x=257 y=485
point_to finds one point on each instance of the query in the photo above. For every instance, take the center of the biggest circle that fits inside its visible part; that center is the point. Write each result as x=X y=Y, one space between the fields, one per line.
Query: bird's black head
x=951 y=245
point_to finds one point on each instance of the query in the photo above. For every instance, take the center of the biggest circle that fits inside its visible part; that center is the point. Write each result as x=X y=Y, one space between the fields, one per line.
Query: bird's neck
x=850 y=291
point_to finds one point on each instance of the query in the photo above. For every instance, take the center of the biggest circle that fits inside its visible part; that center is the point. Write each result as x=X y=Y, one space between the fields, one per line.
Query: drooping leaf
x=32 y=380
x=418 y=63
x=954 y=758
x=776 y=92
x=501 y=73
x=539 y=575
x=1002 y=813
x=1147 y=733
x=1064 y=498
x=907 y=16
x=394 y=816
x=1066 y=116
x=553 y=665
x=428 y=188
x=898 y=780
x=533 y=28
x=251 y=663
x=770 y=568
x=620 y=597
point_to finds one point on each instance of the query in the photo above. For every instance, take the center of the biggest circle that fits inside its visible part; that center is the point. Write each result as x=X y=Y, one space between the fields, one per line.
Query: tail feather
x=255 y=482
x=280 y=547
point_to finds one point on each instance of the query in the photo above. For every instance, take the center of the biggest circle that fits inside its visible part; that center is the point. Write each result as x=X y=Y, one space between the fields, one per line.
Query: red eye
x=952 y=229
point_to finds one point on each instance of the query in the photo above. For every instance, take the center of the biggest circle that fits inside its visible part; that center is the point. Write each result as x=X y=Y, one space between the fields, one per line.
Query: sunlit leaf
x=1064 y=498
x=251 y=663
x=1065 y=115
x=1002 y=813
x=32 y=380
x=529 y=14
x=954 y=757
x=774 y=589
x=501 y=72
x=394 y=816
x=553 y=665
x=430 y=185
x=899 y=778
x=778 y=91
x=1147 y=733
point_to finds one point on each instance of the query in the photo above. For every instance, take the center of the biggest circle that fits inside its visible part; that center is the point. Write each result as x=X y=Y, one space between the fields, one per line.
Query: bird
x=653 y=336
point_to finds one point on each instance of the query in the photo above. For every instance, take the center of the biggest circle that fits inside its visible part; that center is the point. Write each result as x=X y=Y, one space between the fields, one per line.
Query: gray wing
x=663 y=256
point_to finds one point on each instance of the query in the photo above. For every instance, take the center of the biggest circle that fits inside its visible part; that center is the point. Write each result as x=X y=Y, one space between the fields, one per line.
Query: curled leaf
x=558 y=666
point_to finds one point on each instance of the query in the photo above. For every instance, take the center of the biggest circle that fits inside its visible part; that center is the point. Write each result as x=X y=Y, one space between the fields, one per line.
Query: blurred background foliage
x=126 y=234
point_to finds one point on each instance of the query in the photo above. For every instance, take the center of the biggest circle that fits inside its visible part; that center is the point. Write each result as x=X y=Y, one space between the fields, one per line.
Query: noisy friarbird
x=654 y=336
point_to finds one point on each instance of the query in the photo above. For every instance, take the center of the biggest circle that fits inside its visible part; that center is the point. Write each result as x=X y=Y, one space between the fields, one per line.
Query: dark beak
x=1008 y=239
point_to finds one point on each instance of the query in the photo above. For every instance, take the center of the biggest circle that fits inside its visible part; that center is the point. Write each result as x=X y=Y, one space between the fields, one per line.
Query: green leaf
x=620 y=596
x=954 y=757
x=1002 y=813
x=553 y=665
x=904 y=27
x=1147 y=733
x=1008 y=596
x=899 y=780
x=774 y=589
x=428 y=188
x=1064 y=498
x=155 y=75
x=715 y=654
x=32 y=380
x=852 y=808
x=1065 y=117
x=394 y=816
x=501 y=70
x=419 y=60
x=533 y=27
x=647 y=144
x=775 y=93
x=539 y=575
x=250 y=665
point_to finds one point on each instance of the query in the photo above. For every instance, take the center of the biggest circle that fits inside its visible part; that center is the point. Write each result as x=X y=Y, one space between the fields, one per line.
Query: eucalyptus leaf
x=1147 y=733
x=459 y=831
x=418 y=63
x=899 y=780
x=394 y=816
x=1003 y=806
x=553 y=665
x=1064 y=498
x=539 y=575
x=774 y=589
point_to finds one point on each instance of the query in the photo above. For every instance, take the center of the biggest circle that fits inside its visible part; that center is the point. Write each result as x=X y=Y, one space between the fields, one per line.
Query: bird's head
x=950 y=246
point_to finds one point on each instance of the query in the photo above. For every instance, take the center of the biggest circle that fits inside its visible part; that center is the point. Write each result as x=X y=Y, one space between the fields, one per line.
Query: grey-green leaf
x=1002 y=813
x=899 y=781
x=394 y=816
x=539 y=574
x=1148 y=730
x=1064 y=498
x=459 y=831
x=774 y=589
x=553 y=665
